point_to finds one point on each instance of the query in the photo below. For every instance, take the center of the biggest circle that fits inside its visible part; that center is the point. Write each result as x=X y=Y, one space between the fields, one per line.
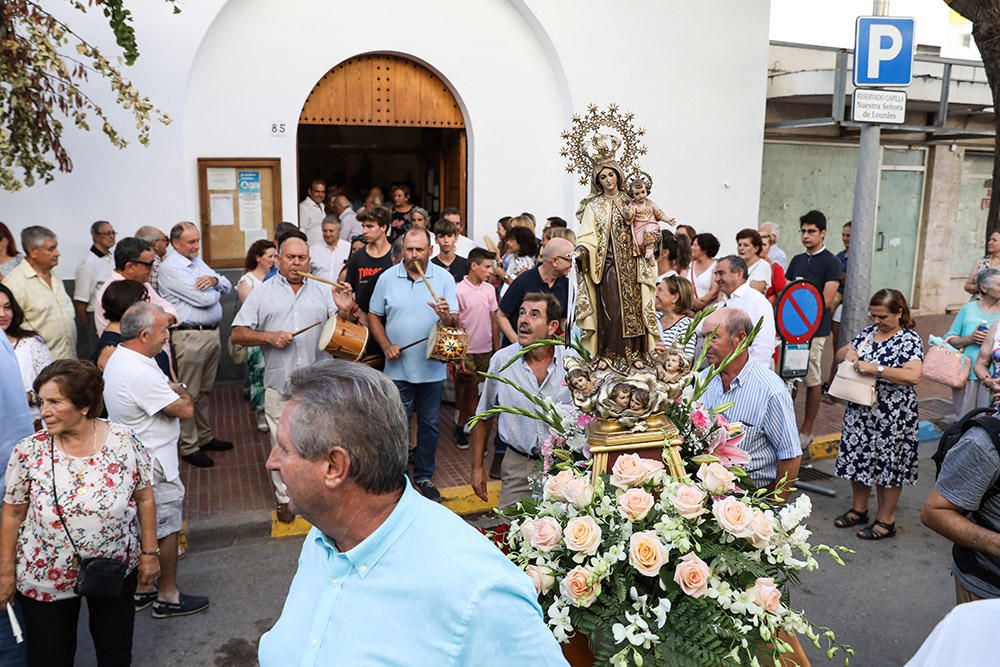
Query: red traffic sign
x=799 y=312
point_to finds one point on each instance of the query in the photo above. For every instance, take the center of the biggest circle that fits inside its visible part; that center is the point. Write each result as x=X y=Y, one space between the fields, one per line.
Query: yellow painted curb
x=459 y=499
x=462 y=501
x=824 y=446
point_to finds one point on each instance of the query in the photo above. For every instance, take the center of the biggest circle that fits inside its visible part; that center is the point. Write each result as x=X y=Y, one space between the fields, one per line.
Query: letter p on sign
x=883 y=51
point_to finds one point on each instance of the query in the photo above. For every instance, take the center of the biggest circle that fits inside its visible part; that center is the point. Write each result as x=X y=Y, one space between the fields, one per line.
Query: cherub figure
x=638 y=403
x=582 y=387
x=643 y=215
x=621 y=396
x=674 y=370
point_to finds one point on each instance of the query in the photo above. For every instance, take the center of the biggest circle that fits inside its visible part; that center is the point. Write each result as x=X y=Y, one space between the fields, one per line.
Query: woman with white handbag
x=968 y=332
x=878 y=443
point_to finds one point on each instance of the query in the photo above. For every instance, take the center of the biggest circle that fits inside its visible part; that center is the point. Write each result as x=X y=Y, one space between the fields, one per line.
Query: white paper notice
x=220 y=178
x=251 y=215
x=221 y=210
x=253 y=235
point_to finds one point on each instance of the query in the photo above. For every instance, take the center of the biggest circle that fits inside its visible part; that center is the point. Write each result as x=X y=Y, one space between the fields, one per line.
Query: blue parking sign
x=883 y=51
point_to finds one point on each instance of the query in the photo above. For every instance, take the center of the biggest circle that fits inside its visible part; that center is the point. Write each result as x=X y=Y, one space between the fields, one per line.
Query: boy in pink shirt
x=477 y=302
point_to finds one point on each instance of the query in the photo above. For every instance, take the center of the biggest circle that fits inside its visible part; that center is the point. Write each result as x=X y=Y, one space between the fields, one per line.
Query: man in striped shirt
x=760 y=401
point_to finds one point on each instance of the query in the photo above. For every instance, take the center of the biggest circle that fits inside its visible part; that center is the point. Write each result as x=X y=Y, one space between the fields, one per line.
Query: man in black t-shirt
x=365 y=265
x=549 y=277
x=822 y=268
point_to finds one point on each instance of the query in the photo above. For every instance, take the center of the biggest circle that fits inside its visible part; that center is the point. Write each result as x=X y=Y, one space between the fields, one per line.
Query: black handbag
x=97 y=577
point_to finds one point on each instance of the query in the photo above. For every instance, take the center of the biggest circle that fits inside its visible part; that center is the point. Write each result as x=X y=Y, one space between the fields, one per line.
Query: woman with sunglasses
x=878 y=444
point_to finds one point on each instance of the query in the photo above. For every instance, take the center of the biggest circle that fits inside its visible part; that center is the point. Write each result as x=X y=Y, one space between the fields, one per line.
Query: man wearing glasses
x=94 y=270
x=549 y=277
x=822 y=268
x=312 y=211
x=134 y=258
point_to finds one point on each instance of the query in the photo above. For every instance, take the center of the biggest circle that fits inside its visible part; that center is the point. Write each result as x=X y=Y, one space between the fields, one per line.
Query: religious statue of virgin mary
x=615 y=308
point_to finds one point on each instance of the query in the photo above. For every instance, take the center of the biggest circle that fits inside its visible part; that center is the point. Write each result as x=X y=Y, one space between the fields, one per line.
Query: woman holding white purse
x=968 y=332
x=878 y=445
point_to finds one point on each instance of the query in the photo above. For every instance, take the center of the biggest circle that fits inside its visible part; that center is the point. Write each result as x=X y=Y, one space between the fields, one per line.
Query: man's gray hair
x=737 y=263
x=35 y=236
x=986 y=277
x=736 y=321
x=177 y=231
x=345 y=404
x=771 y=229
x=138 y=318
x=149 y=234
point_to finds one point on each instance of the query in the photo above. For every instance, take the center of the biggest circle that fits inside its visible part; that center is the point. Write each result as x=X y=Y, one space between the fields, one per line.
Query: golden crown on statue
x=597 y=136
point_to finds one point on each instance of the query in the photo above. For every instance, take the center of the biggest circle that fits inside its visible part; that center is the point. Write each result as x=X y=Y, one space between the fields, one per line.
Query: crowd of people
x=95 y=446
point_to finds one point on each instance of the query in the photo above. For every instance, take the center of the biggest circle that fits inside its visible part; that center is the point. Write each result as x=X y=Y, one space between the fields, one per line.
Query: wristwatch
x=150 y=553
x=878 y=371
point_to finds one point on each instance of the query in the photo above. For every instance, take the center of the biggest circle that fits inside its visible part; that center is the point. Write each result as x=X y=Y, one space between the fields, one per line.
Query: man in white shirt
x=349 y=225
x=464 y=244
x=731 y=277
x=330 y=256
x=138 y=395
x=94 y=270
x=312 y=210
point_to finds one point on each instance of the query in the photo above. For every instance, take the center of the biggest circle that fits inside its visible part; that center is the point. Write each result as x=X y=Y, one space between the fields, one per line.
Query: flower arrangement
x=677 y=571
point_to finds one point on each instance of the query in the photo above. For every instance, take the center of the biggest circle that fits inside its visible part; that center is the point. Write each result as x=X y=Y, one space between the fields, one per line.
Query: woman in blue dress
x=878 y=445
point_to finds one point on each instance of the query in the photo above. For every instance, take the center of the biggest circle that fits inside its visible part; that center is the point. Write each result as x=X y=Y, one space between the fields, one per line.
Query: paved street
x=884 y=603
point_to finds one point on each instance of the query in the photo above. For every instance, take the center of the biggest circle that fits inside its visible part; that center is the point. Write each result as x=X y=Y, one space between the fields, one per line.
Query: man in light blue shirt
x=386 y=577
x=195 y=291
x=760 y=401
x=402 y=299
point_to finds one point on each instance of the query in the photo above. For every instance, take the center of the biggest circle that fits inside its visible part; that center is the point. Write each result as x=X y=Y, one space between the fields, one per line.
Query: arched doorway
x=379 y=119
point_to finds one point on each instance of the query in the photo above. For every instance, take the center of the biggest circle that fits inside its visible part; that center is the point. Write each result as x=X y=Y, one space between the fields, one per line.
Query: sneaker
x=262 y=423
x=189 y=604
x=199 y=458
x=461 y=437
x=428 y=490
x=216 y=445
x=495 y=467
x=143 y=600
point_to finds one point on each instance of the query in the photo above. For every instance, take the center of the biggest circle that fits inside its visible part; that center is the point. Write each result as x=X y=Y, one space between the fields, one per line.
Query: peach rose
x=766 y=595
x=575 y=588
x=583 y=535
x=628 y=471
x=556 y=484
x=579 y=492
x=692 y=575
x=542 y=577
x=646 y=553
x=716 y=478
x=635 y=504
x=689 y=501
x=733 y=516
x=761 y=528
x=544 y=533
x=653 y=470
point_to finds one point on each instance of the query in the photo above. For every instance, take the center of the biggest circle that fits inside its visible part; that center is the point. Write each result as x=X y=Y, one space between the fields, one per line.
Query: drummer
x=403 y=301
x=271 y=318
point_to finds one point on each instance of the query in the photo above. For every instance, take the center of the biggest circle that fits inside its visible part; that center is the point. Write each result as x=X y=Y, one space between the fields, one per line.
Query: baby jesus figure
x=643 y=216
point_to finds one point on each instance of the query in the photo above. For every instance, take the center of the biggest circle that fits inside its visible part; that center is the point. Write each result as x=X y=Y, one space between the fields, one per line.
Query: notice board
x=240 y=201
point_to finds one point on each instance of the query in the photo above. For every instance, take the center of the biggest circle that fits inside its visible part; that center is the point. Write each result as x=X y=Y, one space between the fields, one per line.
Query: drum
x=343 y=339
x=447 y=344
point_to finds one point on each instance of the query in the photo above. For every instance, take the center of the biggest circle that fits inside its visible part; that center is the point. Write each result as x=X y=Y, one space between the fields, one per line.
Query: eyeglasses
x=111 y=233
x=568 y=258
x=148 y=265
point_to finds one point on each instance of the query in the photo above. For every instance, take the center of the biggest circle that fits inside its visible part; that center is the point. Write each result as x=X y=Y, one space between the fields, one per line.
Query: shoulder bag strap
x=55 y=495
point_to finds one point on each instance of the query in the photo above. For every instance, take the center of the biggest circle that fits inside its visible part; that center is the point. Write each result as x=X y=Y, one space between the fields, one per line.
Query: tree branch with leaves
x=44 y=66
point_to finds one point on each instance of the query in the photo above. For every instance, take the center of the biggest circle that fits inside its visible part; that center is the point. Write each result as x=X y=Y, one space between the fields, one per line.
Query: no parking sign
x=797 y=317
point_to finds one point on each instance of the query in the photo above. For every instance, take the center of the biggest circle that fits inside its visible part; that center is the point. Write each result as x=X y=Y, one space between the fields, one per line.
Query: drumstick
x=416 y=342
x=304 y=329
x=430 y=289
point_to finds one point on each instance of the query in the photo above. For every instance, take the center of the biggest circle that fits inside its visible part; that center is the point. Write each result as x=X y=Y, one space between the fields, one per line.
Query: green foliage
x=44 y=65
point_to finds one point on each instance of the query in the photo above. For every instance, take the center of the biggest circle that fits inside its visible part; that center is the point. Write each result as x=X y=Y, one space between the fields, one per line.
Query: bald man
x=268 y=318
x=549 y=277
x=349 y=225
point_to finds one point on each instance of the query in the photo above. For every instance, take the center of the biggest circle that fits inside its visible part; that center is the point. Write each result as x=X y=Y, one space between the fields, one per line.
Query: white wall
x=693 y=73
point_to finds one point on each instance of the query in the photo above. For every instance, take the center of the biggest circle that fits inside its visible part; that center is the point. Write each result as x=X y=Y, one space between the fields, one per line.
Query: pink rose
x=576 y=589
x=689 y=501
x=542 y=577
x=700 y=418
x=761 y=528
x=692 y=575
x=653 y=470
x=766 y=595
x=579 y=492
x=583 y=535
x=545 y=534
x=555 y=485
x=716 y=479
x=733 y=516
x=583 y=420
x=628 y=471
x=646 y=553
x=635 y=504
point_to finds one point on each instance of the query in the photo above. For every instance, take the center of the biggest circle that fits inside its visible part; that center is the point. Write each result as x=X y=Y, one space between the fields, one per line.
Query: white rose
x=582 y=534
x=716 y=478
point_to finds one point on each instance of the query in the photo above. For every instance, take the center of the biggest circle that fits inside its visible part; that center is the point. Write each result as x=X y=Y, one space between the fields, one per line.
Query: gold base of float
x=608 y=440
